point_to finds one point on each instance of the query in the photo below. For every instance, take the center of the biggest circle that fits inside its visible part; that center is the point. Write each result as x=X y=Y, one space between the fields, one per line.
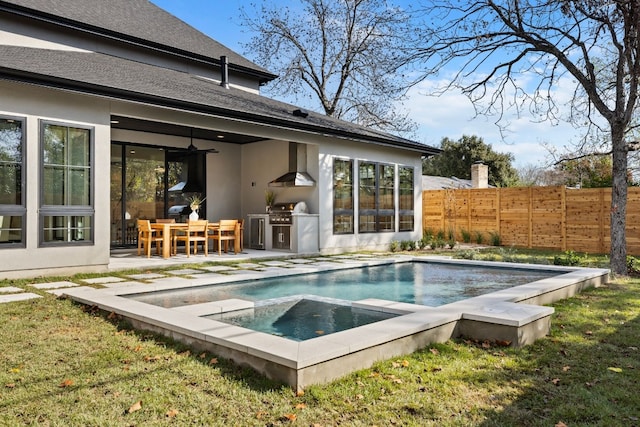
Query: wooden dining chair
x=147 y=236
x=225 y=232
x=195 y=232
x=241 y=225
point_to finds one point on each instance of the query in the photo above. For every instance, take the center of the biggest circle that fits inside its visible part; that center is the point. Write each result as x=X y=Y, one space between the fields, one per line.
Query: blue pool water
x=425 y=283
x=301 y=319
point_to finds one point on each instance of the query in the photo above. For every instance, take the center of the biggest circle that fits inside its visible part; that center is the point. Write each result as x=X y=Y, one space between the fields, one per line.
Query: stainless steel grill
x=281 y=213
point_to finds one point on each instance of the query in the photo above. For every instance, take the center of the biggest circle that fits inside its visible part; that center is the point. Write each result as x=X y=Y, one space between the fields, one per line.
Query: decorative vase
x=193 y=216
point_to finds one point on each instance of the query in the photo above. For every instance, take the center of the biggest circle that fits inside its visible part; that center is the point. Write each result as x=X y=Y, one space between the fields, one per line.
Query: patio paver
x=185 y=272
x=55 y=285
x=18 y=297
x=146 y=276
x=10 y=290
x=103 y=280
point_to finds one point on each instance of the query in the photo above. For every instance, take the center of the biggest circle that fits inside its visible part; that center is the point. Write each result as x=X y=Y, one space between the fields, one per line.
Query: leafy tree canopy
x=458 y=156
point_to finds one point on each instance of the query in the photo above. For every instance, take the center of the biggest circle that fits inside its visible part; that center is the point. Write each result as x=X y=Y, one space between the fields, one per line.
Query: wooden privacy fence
x=533 y=217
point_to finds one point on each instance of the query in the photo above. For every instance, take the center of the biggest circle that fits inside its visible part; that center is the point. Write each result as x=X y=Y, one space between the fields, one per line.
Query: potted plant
x=195 y=202
x=269 y=199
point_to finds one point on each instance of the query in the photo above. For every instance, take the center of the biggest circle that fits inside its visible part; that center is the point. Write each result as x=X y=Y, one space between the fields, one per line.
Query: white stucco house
x=113 y=110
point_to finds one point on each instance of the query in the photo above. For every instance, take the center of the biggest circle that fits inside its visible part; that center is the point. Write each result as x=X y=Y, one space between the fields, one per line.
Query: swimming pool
x=517 y=314
x=425 y=283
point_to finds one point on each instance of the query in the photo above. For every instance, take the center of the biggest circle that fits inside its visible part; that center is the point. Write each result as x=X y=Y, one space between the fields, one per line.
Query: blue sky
x=450 y=115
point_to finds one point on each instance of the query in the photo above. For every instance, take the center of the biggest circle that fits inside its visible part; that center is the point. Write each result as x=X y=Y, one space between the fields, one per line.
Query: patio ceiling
x=128 y=123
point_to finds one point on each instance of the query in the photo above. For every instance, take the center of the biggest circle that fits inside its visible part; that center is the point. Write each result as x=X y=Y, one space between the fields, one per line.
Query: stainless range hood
x=297 y=175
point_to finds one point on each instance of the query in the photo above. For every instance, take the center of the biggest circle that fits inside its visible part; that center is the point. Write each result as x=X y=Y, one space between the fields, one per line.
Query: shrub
x=451 y=234
x=404 y=245
x=479 y=237
x=494 y=236
x=411 y=245
x=428 y=234
x=466 y=235
x=568 y=258
x=394 y=246
x=633 y=265
x=440 y=235
x=451 y=243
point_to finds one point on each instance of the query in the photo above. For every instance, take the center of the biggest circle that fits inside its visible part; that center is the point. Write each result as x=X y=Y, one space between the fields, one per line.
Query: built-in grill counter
x=288 y=227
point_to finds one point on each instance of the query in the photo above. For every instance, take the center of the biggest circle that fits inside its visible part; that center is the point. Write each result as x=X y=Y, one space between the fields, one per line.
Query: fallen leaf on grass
x=213 y=361
x=588 y=333
x=151 y=358
x=434 y=351
x=112 y=315
x=202 y=355
x=10 y=385
x=290 y=417
x=556 y=381
x=171 y=413
x=565 y=368
x=560 y=424
x=135 y=407
x=359 y=396
x=300 y=406
x=503 y=343
x=613 y=369
x=261 y=414
x=66 y=383
x=300 y=393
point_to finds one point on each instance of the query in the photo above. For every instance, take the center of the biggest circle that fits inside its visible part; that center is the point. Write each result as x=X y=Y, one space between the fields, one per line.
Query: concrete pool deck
x=514 y=315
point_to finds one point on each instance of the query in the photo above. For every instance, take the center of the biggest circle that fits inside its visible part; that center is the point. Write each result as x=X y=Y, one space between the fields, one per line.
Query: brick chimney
x=479 y=175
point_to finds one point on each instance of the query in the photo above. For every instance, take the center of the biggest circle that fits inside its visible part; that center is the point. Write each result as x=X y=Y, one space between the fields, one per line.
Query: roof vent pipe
x=224 y=72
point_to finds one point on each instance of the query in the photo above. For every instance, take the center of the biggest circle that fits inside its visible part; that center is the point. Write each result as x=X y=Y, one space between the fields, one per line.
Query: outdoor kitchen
x=287 y=226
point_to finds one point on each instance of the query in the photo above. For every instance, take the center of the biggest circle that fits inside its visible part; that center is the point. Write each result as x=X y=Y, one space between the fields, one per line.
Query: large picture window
x=12 y=180
x=66 y=211
x=376 y=207
x=342 y=196
x=406 y=209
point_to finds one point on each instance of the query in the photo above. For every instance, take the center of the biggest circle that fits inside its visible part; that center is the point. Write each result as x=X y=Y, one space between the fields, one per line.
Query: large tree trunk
x=618 y=251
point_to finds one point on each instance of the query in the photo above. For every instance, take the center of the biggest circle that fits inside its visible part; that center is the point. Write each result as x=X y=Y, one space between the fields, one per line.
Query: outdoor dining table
x=170 y=227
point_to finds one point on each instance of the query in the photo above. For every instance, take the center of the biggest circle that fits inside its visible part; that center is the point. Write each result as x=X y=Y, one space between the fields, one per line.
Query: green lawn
x=62 y=364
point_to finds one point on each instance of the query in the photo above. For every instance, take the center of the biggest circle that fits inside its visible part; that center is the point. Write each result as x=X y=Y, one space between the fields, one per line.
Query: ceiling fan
x=192 y=149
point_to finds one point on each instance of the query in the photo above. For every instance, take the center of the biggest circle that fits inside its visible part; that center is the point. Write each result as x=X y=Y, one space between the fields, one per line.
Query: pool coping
x=515 y=315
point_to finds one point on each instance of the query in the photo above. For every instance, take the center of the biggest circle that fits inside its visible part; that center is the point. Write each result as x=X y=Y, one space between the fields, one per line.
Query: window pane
x=406 y=222
x=80 y=187
x=367 y=187
x=385 y=223
x=10 y=162
x=55 y=139
x=67 y=228
x=10 y=230
x=79 y=147
x=343 y=224
x=53 y=186
x=406 y=188
x=367 y=223
x=406 y=198
x=343 y=196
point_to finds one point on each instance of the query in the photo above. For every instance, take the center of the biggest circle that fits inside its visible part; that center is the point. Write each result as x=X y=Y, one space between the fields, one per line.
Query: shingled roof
x=119 y=78
x=135 y=21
